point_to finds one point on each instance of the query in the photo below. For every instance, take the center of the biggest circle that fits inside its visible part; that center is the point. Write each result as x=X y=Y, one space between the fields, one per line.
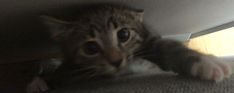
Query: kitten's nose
x=116 y=63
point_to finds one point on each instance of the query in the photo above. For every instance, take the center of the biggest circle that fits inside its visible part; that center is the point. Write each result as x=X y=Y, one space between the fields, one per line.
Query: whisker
x=94 y=74
x=143 y=52
x=85 y=68
x=139 y=53
x=89 y=74
x=146 y=55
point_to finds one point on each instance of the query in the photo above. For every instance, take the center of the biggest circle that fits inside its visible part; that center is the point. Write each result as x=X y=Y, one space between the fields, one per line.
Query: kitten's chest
x=140 y=67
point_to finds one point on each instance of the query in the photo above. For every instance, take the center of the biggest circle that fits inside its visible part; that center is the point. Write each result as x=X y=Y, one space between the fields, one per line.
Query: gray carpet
x=163 y=83
x=160 y=83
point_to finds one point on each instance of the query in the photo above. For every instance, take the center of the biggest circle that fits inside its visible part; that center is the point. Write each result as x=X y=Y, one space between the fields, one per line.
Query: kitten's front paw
x=37 y=85
x=211 y=68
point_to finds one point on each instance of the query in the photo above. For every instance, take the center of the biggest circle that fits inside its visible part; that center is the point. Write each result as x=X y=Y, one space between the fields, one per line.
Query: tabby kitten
x=103 y=40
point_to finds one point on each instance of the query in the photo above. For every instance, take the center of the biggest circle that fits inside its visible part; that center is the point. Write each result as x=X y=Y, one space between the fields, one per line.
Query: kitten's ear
x=139 y=14
x=55 y=26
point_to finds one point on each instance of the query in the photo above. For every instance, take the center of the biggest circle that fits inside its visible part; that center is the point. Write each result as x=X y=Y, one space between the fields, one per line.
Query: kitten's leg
x=38 y=83
x=172 y=55
x=212 y=68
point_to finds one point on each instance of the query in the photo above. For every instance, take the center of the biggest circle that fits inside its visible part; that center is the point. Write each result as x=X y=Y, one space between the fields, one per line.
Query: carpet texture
x=162 y=83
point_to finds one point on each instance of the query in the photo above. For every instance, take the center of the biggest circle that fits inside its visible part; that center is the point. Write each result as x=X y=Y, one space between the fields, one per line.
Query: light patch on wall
x=220 y=43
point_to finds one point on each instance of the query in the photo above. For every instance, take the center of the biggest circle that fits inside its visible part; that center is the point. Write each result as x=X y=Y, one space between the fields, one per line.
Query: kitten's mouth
x=104 y=70
x=115 y=71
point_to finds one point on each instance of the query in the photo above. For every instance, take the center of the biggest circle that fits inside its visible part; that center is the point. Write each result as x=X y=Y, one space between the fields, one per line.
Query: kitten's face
x=104 y=40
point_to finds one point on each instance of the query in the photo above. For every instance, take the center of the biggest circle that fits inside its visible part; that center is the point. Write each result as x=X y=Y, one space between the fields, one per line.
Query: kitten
x=102 y=40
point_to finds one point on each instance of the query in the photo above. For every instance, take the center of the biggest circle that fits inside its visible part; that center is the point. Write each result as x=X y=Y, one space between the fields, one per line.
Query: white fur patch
x=50 y=65
x=144 y=66
x=140 y=67
x=212 y=68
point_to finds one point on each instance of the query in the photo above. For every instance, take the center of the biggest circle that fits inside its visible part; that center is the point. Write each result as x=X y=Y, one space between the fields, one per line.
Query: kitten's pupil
x=91 y=48
x=123 y=35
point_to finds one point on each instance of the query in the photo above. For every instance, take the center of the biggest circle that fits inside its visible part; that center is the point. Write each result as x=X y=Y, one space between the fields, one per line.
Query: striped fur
x=99 y=24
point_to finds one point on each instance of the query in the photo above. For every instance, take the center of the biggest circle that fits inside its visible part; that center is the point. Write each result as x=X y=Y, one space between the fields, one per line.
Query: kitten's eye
x=123 y=35
x=91 y=48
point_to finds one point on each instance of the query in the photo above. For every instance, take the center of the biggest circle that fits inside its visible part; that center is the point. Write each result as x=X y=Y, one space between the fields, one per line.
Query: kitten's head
x=100 y=37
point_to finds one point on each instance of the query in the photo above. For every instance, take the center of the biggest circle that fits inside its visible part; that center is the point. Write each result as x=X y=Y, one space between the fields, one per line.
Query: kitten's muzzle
x=115 y=58
x=117 y=63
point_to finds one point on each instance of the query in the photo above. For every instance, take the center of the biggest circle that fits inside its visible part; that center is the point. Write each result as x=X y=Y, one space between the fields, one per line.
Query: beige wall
x=220 y=43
